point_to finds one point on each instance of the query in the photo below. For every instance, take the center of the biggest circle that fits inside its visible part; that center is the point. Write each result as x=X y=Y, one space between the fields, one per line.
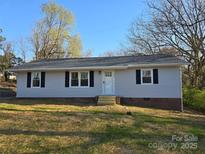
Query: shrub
x=194 y=98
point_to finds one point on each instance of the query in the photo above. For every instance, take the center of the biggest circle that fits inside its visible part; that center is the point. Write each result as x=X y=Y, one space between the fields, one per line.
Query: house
x=148 y=81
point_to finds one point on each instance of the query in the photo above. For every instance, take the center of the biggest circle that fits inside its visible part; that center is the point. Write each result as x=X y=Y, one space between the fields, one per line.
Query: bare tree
x=6 y=59
x=142 y=38
x=110 y=53
x=175 y=24
x=23 y=49
x=88 y=53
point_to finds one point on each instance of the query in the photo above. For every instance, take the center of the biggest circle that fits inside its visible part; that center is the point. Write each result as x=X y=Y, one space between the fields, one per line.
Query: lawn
x=43 y=127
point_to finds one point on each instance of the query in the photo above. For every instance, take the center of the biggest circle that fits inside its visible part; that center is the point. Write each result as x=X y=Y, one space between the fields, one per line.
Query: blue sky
x=102 y=24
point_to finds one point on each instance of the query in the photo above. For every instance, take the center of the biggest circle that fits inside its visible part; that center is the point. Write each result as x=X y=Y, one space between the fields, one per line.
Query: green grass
x=41 y=128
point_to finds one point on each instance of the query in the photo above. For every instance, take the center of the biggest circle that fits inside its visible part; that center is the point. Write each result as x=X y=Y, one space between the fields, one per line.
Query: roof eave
x=99 y=67
x=156 y=65
x=71 y=68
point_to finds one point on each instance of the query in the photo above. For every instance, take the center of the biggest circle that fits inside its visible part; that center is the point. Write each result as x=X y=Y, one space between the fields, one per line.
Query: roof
x=115 y=62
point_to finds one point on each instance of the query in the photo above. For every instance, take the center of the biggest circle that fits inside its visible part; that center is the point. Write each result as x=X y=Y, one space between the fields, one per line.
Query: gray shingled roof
x=97 y=62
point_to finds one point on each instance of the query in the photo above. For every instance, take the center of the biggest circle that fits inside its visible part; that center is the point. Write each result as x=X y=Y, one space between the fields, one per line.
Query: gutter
x=71 y=68
x=101 y=67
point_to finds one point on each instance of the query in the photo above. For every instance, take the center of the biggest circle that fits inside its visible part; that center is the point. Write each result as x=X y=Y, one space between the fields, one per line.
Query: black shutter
x=155 y=76
x=28 y=79
x=138 y=77
x=91 y=78
x=43 y=75
x=66 y=79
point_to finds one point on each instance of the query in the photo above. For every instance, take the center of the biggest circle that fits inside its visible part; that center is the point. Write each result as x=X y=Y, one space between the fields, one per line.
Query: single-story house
x=149 y=81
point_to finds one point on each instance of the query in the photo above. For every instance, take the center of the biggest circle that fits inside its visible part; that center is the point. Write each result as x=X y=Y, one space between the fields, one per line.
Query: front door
x=108 y=83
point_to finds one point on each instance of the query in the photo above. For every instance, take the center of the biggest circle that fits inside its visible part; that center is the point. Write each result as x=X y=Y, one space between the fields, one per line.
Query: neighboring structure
x=1 y=75
x=12 y=76
x=150 y=81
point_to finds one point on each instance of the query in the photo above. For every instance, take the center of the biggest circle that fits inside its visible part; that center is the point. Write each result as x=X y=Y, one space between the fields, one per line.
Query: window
x=146 y=76
x=36 y=78
x=74 y=79
x=79 y=79
x=83 y=79
x=108 y=74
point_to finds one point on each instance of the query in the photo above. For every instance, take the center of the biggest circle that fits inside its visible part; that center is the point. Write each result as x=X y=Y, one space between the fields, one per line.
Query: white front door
x=108 y=83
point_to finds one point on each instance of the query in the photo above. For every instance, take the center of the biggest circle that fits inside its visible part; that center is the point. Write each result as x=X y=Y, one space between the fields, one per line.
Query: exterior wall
x=125 y=85
x=169 y=84
x=55 y=87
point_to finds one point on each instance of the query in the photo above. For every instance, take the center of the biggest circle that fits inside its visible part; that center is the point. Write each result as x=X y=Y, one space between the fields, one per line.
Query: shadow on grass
x=111 y=134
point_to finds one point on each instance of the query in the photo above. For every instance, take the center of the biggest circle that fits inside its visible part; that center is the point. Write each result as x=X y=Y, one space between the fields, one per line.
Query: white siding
x=168 y=87
x=125 y=85
x=55 y=87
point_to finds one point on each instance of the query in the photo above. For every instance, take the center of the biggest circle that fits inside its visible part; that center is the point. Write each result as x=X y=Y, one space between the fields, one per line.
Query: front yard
x=40 y=128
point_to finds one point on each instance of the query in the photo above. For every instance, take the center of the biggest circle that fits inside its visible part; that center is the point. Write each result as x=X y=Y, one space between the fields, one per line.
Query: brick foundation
x=160 y=103
x=80 y=101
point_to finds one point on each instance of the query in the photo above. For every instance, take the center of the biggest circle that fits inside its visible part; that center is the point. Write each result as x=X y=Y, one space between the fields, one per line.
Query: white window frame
x=79 y=79
x=151 y=70
x=79 y=73
x=32 y=74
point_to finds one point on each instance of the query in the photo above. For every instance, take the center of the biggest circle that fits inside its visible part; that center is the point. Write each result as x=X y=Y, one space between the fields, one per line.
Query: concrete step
x=105 y=103
x=106 y=97
x=106 y=100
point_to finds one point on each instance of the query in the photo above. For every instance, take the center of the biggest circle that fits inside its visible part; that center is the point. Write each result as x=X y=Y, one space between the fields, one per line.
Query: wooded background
x=175 y=27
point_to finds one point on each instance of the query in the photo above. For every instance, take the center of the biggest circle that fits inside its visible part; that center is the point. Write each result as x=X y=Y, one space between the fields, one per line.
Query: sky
x=102 y=24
